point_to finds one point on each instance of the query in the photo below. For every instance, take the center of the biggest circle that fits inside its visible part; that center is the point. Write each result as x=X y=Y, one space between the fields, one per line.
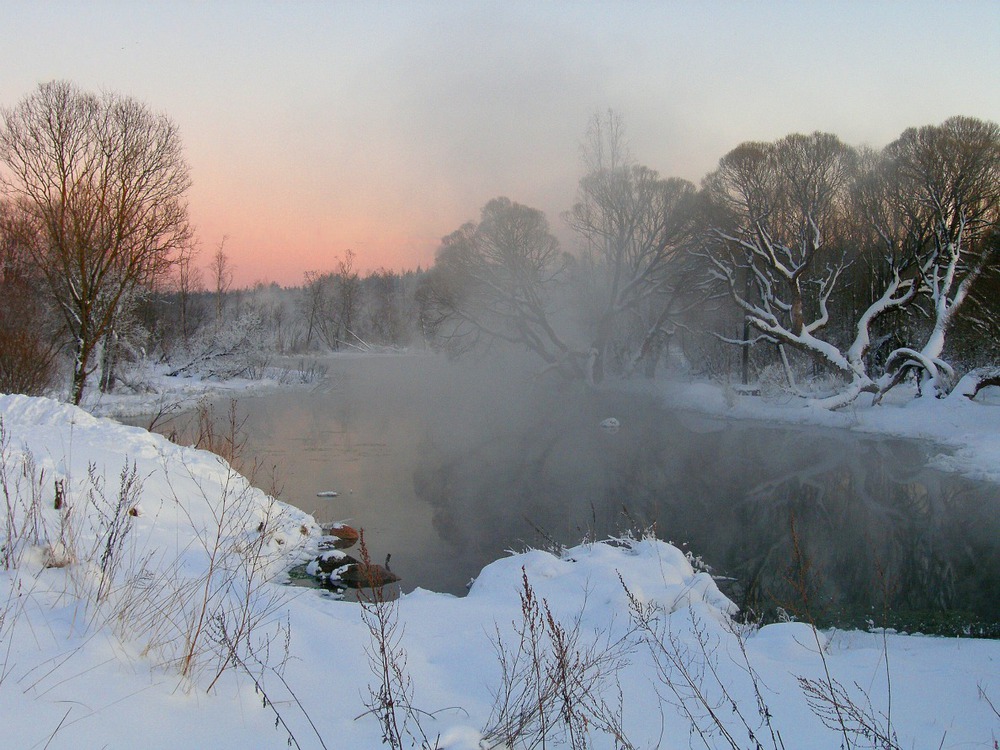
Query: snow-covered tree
x=243 y=348
x=778 y=242
x=806 y=224
x=946 y=180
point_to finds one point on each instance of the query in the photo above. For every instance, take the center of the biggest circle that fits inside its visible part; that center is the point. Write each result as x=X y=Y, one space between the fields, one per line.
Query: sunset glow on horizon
x=312 y=128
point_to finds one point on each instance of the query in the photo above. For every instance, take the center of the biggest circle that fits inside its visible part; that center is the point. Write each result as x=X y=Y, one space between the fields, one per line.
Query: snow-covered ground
x=159 y=393
x=146 y=612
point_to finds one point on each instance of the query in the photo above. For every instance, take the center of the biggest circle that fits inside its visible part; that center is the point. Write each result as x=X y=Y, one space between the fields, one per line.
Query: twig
x=58 y=727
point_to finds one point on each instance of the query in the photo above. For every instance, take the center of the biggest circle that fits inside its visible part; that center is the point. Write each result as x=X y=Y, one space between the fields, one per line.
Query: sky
x=312 y=128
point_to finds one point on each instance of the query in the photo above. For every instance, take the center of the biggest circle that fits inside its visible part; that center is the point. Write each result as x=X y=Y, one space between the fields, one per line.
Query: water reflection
x=448 y=471
x=844 y=526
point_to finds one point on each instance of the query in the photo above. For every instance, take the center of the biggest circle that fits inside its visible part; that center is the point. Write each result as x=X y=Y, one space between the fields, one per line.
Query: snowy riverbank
x=967 y=431
x=156 y=392
x=102 y=611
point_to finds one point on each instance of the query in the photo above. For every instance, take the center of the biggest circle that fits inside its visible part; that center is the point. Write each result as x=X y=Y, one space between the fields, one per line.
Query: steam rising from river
x=449 y=464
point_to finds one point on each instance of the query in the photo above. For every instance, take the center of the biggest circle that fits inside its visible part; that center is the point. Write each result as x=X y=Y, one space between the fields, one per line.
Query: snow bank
x=116 y=593
x=964 y=431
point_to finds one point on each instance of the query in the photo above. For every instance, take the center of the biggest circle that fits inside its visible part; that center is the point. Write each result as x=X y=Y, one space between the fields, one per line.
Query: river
x=447 y=466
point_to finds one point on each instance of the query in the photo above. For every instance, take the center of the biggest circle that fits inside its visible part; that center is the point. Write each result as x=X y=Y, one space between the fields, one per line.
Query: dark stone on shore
x=336 y=568
x=328 y=562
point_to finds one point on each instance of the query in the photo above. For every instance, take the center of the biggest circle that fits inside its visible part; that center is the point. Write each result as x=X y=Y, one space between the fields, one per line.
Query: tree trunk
x=109 y=362
x=745 y=357
x=652 y=356
x=745 y=353
x=975 y=380
x=80 y=363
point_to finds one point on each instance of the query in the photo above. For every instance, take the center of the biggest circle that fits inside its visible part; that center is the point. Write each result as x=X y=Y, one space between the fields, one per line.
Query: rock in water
x=347 y=534
x=361 y=576
x=611 y=425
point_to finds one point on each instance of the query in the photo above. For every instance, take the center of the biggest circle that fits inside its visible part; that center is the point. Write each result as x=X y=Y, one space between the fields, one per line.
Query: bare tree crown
x=102 y=180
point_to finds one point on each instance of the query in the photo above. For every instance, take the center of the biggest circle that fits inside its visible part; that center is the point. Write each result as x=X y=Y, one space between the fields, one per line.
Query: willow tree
x=101 y=181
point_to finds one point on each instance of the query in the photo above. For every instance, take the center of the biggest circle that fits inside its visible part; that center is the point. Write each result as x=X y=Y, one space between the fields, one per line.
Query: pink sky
x=315 y=127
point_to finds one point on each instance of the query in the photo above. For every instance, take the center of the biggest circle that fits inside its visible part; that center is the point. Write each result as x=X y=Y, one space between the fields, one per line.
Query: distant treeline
x=802 y=264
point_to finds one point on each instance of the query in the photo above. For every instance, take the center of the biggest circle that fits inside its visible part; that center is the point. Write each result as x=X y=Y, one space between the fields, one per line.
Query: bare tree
x=189 y=281
x=331 y=303
x=779 y=247
x=506 y=279
x=348 y=289
x=914 y=221
x=27 y=348
x=385 y=315
x=313 y=302
x=221 y=270
x=634 y=225
x=497 y=281
x=102 y=181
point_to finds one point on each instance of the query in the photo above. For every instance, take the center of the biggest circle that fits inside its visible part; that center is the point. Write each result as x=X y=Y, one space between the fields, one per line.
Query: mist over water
x=448 y=465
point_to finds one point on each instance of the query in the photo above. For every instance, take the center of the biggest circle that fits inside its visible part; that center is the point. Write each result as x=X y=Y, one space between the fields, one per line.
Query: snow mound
x=604 y=574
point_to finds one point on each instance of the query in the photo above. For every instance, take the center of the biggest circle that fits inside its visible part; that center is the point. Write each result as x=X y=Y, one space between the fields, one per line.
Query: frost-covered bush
x=240 y=349
x=773 y=381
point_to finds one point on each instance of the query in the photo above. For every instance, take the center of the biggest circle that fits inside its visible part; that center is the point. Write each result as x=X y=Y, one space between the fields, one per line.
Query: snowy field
x=148 y=611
